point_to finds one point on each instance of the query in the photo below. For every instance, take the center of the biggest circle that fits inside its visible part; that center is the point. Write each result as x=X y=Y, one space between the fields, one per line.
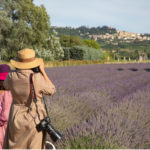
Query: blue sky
x=124 y=15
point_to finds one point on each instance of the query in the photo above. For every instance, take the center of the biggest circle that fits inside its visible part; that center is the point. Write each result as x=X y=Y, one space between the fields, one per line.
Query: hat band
x=27 y=60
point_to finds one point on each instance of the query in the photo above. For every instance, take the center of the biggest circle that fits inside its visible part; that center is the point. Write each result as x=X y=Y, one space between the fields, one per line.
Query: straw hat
x=26 y=59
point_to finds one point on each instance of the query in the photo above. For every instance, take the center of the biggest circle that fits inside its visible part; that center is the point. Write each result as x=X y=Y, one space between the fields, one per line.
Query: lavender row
x=107 y=102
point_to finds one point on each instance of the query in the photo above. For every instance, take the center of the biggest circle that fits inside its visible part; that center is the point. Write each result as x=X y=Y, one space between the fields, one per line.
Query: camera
x=46 y=126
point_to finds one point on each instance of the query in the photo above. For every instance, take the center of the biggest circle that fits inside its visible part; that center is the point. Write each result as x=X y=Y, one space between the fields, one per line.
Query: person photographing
x=25 y=113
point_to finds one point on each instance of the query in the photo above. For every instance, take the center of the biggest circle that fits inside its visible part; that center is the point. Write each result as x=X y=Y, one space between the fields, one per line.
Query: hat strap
x=27 y=60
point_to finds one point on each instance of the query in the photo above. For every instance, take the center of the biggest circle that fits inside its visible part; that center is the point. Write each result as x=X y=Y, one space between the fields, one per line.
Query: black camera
x=46 y=126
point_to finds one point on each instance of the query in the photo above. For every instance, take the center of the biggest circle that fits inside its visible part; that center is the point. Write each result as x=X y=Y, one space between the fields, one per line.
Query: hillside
x=111 y=39
x=104 y=32
x=84 y=31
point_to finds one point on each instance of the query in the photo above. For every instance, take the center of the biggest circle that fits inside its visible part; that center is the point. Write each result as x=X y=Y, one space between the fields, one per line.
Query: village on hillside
x=121 y=35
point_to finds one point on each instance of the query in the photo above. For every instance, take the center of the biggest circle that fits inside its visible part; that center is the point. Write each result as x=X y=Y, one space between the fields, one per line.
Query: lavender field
x=101 y=106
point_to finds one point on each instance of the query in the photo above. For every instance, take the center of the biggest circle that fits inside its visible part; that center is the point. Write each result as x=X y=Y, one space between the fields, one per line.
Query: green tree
x=92 y=44
x=46 y=54
x=70 y=41
x=53 y=50
x=55 y=46
x=5 y=28
x=29 y=25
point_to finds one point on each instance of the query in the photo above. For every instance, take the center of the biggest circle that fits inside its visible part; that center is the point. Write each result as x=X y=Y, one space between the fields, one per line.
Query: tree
x=5 y=28
x=44 y=53
x=55 y=46
x=92 y=44
x=28 y=25
x=70 y=41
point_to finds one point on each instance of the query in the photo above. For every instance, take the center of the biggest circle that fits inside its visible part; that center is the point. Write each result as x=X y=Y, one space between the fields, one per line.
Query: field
x=101 y=106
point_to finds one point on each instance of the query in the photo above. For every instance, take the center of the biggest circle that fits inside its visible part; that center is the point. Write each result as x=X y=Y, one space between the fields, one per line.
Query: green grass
x=71 y=63
x=86 y=62
x=57 y=63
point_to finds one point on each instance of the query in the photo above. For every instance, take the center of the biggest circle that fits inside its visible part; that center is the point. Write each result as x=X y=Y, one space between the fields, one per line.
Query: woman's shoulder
x=19 y=72
x=38 y=80
x=38 y=76
x=11 y=73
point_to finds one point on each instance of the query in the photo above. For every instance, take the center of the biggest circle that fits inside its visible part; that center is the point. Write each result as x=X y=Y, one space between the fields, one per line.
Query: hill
x=84 y=31
x=111 y=39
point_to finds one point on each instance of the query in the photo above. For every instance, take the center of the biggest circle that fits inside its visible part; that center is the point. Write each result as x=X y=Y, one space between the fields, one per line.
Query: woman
x=5 y=102
x=21 y=132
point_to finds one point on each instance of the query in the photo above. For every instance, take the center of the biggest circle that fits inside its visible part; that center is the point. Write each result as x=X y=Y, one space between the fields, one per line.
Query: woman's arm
x=6 y=104
x=1 y=122
x=42 y=69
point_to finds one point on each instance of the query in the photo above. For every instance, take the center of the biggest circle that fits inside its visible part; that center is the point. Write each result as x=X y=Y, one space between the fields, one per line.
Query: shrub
x=66 y=53
x=85 y=53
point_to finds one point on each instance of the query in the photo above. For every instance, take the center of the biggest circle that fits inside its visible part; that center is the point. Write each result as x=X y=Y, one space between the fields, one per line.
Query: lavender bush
x=101 y=106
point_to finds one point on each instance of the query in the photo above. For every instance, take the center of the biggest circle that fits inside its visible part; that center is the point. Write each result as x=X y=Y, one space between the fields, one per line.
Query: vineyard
x=101 y=106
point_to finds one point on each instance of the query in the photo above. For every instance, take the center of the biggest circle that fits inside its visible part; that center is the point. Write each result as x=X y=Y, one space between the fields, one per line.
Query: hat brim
x=26 y=65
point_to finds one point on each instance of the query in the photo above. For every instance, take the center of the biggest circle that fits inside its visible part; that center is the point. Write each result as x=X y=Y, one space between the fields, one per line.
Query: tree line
x=132 y=50
x=23 y=24
x=84 y=31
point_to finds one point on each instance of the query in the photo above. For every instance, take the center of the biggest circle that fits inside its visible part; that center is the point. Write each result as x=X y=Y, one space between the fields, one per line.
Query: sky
x=125 y=15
